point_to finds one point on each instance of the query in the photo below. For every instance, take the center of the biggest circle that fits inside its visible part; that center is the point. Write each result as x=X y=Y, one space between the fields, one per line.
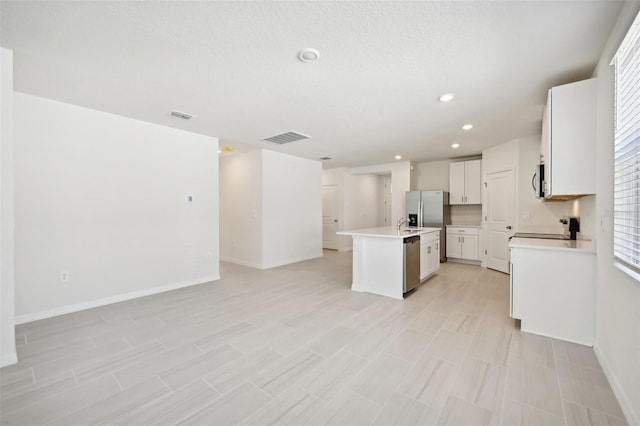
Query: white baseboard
x=240 y=262
x=22 y=319
x=270 y=265
x=630 y=411
x=465 y=261
x=8 y=359
x=292 y=260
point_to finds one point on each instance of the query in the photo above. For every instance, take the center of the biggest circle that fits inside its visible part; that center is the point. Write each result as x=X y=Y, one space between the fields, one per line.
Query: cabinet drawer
x=432 y=236
x=462 y=230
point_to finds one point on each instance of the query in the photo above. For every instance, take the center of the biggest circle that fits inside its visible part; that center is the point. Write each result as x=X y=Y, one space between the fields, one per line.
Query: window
x=626 y=208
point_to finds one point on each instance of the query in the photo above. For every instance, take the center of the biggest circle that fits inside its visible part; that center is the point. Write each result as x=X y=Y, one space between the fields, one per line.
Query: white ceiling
x=371 y=95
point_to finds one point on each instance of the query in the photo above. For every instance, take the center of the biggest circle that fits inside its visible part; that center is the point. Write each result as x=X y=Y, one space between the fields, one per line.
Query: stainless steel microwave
x=538 y=181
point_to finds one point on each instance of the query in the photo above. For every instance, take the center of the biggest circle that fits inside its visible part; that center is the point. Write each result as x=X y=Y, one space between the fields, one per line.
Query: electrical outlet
x=63 y=276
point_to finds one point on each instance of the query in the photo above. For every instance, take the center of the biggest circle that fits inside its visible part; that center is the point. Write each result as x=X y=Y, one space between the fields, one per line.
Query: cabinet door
x=456 y=183
x=470 y=247
x=472 y=182
x=572 y=142
x=432 y=259
x=453 y=245
x=424 y=260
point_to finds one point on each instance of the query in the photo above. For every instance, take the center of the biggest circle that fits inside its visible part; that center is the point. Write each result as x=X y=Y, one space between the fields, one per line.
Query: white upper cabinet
x=568 y=143
x=465 y=182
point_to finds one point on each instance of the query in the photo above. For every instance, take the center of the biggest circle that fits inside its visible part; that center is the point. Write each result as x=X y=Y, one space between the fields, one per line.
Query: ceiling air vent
x=182 y=115
x=287 y=138
x=325 y=158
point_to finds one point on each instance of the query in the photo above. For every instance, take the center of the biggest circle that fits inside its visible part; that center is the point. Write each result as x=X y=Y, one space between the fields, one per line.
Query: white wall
x=241 y=208
x=103 y=197
x=292 y=209
x=617 y=341
x=7 y=290
x=401 y=178
x=362 y=203
x=433 y=175
x=532 y=214
x=270 y=209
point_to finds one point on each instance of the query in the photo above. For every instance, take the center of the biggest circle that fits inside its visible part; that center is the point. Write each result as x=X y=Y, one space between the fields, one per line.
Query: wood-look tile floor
x=293 y=345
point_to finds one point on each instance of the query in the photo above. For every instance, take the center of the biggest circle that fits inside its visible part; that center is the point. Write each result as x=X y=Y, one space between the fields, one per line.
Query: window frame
x=626 y=179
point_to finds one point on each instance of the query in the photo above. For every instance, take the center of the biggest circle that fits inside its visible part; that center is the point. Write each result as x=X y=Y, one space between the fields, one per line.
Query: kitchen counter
x=388 y=232
x=463 y=226
x=562 y=245
x=378 y=259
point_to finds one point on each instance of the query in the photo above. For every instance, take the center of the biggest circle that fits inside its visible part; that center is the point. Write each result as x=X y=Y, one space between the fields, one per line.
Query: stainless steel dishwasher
x=411 y=263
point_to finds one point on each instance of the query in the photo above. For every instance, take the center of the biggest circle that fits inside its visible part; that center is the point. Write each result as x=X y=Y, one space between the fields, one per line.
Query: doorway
x=330 y=217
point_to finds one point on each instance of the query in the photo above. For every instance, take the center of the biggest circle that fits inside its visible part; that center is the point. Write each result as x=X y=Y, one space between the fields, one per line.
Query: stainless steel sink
x=409 y=231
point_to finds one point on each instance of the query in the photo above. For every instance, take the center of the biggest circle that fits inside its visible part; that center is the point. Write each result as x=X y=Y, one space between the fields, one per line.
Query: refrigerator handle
x=420 y=207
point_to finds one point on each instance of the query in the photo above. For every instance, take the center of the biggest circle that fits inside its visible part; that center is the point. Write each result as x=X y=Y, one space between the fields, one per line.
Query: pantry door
x=499 y=218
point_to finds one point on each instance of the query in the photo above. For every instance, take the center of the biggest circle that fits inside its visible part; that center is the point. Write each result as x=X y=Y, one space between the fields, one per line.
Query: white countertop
x=464 y=226
x=586 y=246
x=387 y=232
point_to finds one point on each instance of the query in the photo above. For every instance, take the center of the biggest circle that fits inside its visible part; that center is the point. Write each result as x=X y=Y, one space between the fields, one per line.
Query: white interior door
x=330 y=216
x=499 y=219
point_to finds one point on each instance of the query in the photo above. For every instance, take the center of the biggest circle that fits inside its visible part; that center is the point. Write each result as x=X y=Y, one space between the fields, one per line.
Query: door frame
x=338 y=216
x=485 y=203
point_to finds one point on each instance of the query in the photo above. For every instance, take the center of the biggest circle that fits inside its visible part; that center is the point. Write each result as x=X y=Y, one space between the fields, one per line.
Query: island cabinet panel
x=429 y=254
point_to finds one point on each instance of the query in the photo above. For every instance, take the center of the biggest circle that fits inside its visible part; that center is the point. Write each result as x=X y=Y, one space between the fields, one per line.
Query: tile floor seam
x=557 y=376
x=271 y=397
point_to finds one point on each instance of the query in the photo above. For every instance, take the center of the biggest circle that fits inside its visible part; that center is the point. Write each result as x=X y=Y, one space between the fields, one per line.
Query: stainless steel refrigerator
x=430 y=208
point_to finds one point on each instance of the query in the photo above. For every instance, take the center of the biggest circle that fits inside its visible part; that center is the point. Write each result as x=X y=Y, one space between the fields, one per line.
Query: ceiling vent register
x=287 y=138
x=182 y=115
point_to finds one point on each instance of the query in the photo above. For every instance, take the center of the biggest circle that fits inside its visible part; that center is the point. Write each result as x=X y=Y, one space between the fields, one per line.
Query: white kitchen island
x=378 y=258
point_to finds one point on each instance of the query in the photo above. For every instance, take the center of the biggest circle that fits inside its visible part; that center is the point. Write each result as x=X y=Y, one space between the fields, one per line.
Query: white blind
x=626 y=209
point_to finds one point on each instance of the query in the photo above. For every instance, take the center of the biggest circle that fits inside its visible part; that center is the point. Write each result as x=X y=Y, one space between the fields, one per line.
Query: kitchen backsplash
x=466 y=215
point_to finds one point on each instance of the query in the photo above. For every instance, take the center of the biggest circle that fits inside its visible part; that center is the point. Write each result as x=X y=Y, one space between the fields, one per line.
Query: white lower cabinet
x=429 y=254
x=463 y=243
x=553 y=292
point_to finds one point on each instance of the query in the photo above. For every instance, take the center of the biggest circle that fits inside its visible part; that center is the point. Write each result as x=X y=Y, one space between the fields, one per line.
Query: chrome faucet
x=401 y=221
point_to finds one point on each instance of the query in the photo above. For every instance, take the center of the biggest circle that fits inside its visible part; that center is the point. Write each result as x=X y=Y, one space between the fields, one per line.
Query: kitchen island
x=378 y=258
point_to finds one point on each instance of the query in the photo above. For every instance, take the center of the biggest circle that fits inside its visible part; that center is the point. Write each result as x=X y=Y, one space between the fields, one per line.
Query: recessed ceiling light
x=455 y=145
x=308 y=55
x=467 y=127
x=447 y=97
x=219 y=151
x=398 y=157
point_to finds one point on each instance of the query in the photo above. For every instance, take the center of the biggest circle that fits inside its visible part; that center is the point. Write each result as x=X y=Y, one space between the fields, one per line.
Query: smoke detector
x=308 y=55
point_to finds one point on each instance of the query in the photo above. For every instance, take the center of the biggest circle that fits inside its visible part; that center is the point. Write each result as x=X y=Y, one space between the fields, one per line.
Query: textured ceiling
x=371 y=95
